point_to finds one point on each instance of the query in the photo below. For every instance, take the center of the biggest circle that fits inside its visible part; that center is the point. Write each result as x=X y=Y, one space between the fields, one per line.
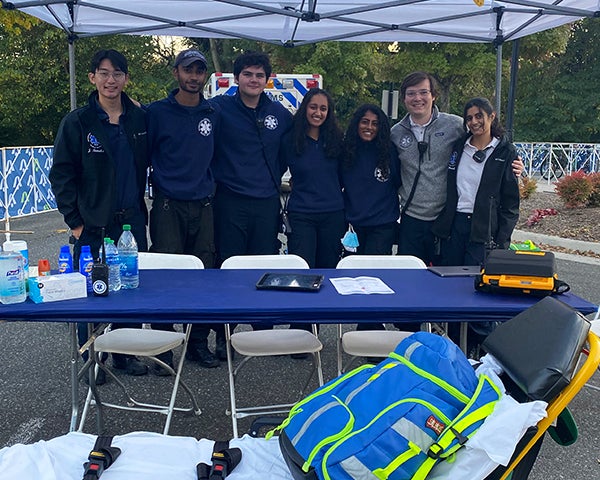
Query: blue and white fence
x=550 y=161
x=24 y=181
x=25 y=188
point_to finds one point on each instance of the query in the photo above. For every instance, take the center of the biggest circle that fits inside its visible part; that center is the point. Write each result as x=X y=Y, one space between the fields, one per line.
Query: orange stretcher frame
x=585 y=372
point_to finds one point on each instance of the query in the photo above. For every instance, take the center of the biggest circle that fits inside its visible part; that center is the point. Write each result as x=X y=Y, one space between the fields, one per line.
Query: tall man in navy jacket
x=246 y=166
x=181 y=138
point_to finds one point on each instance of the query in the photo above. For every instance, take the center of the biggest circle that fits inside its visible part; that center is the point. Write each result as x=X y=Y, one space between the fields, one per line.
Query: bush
x=594 y=199
x=538 y=214
x=574 y=189
x=527 y=187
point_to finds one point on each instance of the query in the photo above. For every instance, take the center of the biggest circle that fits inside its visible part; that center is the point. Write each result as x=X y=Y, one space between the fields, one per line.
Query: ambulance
x=287 y=89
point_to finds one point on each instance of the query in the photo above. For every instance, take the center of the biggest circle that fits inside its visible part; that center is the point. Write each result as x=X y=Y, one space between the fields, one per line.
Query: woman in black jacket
x=482 y=206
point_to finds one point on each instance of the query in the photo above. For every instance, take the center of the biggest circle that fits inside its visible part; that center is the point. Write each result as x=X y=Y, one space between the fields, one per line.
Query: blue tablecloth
x=199 y=296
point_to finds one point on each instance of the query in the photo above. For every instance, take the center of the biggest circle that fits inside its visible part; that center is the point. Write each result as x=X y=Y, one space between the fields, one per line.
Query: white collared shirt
x=419 y=130
x=468 y=175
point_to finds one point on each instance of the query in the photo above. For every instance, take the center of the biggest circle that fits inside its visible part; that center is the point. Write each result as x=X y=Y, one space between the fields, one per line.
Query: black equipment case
x=518 y=271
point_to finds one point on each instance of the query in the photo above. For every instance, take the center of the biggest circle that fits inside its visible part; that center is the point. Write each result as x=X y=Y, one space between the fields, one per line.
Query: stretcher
x=150 y=455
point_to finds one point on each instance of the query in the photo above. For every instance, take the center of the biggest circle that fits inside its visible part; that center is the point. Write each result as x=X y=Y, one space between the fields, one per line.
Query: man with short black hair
x=181 y=139
x=246 y=167
x=98 y=173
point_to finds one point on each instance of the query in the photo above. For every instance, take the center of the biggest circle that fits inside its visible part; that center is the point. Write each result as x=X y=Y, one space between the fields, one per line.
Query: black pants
x=458 y=249
x=245 y=225
x=316 y=237
x=376 y=240
x=416 y=238
x=185 y=227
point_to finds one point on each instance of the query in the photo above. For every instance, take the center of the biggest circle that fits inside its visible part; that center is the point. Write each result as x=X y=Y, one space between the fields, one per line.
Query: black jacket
x=498 y=188
x=83 y=174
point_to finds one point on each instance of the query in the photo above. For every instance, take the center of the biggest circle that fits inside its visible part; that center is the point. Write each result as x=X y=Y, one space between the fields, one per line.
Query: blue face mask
x=350 y=240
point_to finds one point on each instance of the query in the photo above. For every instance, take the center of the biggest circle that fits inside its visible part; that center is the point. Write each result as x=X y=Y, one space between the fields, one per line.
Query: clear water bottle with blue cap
x=128 y=254
x=114 y=265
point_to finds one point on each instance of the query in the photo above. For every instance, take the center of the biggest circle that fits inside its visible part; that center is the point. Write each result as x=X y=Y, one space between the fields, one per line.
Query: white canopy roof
x=297 y=22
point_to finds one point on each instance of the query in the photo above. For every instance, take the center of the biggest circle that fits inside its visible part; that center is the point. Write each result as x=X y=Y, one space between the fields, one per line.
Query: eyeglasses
x=420 y=93
x=105 y=75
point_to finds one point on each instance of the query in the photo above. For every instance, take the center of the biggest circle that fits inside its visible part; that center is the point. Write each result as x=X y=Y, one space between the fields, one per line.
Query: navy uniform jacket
x=246 y=160
x=497 y=181
x=370 y=195
x=83 y=173
x=181 y=141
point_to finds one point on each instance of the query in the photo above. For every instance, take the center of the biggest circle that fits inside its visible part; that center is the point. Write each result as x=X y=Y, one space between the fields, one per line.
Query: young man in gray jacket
x=424 y=139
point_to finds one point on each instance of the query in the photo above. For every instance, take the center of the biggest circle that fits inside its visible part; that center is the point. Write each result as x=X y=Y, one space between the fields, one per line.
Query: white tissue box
x=52 y=288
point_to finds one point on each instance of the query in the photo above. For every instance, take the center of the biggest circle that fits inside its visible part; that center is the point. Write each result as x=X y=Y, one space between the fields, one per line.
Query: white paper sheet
x=360 y=286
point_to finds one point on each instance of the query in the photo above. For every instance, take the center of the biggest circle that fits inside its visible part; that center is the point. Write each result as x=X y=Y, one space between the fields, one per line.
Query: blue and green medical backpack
x=394 y=420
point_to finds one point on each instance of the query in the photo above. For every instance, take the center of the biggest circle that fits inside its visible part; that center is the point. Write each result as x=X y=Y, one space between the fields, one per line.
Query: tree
x=34 y=75
x=557 y=97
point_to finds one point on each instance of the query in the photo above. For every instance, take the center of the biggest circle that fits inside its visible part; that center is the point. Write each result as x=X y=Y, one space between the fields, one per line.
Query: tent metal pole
x=512 y=89
x=72 y=92
x=498 y=79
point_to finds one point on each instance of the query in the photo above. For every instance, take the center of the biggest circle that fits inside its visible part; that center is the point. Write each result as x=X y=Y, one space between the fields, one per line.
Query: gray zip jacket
x=430 y=195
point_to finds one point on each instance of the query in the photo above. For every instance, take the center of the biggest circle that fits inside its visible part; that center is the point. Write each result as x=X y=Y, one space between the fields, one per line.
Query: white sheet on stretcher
x=151 y=455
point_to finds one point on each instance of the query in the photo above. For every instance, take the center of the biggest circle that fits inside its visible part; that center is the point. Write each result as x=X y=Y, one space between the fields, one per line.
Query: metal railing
x=26 y=188
x=550 y=161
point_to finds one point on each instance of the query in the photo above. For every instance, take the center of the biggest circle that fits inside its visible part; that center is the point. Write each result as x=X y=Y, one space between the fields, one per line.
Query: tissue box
x=52 y=288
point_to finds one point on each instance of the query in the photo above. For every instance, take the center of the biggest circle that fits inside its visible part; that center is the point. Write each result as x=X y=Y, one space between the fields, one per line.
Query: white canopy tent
x=299 y=22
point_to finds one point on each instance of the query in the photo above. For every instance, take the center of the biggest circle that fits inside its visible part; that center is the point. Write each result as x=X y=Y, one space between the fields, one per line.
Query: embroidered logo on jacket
x=406 y=141
x=381 y=175
x=453 y=161
x=94 y=145
x=205 y=127
x=271 y=122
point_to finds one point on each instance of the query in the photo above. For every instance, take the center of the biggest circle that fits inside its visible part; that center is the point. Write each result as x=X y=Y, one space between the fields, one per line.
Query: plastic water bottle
x=114 y=265
x=128 y=253
x=12 y=278
x=65 y=260
x=86 y=263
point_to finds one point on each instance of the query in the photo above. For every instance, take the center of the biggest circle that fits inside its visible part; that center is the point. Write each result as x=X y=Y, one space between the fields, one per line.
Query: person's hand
x=77 y=231
x=518 y=166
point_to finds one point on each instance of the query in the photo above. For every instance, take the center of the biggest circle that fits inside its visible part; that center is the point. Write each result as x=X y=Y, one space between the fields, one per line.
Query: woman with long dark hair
x=370 y=177
x=482 y=206
x=312 y=151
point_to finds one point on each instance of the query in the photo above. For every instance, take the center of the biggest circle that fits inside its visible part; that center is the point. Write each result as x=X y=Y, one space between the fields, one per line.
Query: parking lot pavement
x=35 y=388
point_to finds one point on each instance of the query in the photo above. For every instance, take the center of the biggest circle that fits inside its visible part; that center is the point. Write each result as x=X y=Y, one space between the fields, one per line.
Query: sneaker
x=159 y=370
x=203 y=356
x=100 y=378
x=130 y=364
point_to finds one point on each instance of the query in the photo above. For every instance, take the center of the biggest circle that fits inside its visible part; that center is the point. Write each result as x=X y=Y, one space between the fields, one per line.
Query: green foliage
x=34 y=75
x=557 y=94
x=574 y=189
x=527 y=187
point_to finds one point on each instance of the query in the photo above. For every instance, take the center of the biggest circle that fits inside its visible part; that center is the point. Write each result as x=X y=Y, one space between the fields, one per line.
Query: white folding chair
x=263 y=343
x=146 y=343
x=372 y=343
